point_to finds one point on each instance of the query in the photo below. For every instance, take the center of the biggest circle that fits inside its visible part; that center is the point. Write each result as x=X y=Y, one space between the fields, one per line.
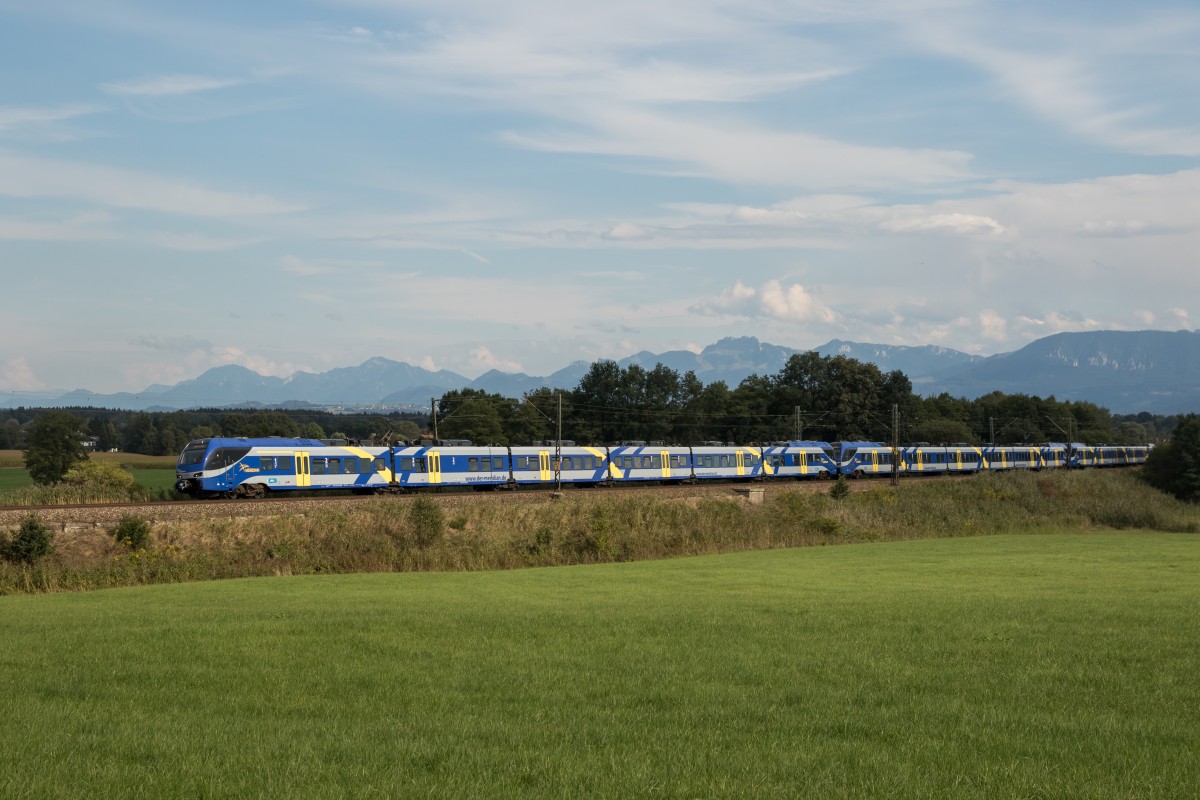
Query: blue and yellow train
x=233 y=467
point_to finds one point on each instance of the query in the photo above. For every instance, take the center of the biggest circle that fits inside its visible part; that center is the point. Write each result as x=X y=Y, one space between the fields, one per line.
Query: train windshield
x=193 y=454
x=222 y=457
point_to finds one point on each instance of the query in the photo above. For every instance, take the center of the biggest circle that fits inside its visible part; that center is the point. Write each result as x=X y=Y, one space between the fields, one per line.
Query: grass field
x=152 y=472
x=14 y=478
x=1053 y=666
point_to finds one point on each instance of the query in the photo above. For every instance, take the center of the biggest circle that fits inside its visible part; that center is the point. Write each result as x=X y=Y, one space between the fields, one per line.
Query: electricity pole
x=558 y=449
x=895 y=444
x=433 y=414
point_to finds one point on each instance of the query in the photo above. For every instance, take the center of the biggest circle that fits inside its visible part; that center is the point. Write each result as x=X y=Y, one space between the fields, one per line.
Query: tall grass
x=418 y=534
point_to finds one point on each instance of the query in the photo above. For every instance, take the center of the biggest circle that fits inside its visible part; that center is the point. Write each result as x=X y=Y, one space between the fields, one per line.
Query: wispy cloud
x=168 y=85
x=25 y=176
x=19 y=116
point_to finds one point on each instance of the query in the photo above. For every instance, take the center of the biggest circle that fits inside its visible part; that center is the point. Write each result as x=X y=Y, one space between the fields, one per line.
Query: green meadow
x=1058 y=665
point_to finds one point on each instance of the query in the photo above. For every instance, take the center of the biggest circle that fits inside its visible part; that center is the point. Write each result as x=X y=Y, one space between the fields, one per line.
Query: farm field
x=152 y=472
x=1056 y=665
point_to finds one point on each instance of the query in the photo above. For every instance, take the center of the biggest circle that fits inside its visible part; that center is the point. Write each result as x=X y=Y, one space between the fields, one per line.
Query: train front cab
x=800 y=460
x=864 y=459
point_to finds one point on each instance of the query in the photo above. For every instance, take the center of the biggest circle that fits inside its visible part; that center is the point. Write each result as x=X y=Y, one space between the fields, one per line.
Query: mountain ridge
x=1124 y=371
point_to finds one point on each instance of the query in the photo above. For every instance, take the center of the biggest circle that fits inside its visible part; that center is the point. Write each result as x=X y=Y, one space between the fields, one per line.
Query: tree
x=53 y=447
x=1175 y=467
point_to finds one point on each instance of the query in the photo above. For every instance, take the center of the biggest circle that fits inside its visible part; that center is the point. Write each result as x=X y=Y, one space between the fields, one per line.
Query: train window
x=406 y=464
x=222 y=457
x=318 y=466
x=418 y=465
x=350 y=466
x=628 y=462
x=473 y=464
x=498 y=462
x=379 y=465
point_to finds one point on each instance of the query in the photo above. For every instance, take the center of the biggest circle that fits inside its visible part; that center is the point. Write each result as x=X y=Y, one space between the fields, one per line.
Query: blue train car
x=252 y=467
x=425 y=466
x=942 y=459
x=534 y=465
x=864 y=459
x=800 y=460
x=1024 y=456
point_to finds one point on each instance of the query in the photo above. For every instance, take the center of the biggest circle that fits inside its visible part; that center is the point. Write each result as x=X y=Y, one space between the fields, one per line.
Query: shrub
x=840 y=488
x=427 y=520
x=100 y=474
x=133 y=532
x=29 y=543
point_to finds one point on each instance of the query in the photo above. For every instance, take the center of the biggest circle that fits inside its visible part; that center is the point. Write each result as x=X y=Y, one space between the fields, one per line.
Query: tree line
x=812 y=397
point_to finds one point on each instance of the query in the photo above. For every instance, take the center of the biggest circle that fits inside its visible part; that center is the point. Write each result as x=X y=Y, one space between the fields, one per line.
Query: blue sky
x=517 y=185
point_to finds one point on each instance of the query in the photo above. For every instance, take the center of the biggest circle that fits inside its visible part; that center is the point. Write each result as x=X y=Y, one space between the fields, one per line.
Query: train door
x=803 y=459
x=434 y=461
x=303 y=470
x=544 y=471
x=666 y=463
x=740 y=457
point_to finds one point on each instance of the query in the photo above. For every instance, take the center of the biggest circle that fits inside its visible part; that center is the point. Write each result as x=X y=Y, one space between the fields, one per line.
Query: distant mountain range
x=1124 y=371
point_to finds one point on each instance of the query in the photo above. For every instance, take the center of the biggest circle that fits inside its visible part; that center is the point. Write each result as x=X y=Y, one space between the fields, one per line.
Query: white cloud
x=19 y=116
x=960 y=224
x=992 y=326
x=27 y=177
x=627 y=231
x=1182 y=317
x=226 y=354
x=1073 y=71
x=794 y=303
x=168 y=85
x=16 y=374
x=1112 y=227
x=302 y=267
x=482 y=360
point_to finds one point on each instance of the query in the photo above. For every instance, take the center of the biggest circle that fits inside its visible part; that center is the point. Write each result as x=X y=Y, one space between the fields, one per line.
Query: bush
x=133 y=532
x=427 y=520
x=30 y=543
x=101 y=475
x=840 y=488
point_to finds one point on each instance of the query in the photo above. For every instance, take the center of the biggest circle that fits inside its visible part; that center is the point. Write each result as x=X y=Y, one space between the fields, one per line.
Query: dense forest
x=812 y=397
